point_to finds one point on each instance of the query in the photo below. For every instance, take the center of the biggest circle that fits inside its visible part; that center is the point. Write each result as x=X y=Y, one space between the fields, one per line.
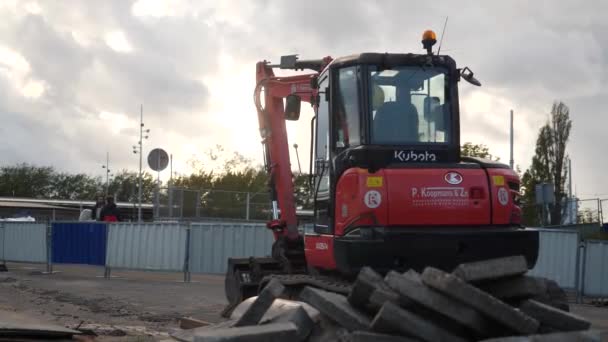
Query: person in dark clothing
x=97 y=208
x=110 y=213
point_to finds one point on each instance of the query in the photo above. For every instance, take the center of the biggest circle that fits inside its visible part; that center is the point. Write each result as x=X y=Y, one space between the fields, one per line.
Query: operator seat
x=396 y=122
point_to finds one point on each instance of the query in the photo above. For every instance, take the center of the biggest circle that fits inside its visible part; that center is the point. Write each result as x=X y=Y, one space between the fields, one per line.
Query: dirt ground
x=131 y=303
x=131 y=306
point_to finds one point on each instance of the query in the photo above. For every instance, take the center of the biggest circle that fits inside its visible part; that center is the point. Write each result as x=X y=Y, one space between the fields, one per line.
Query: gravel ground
x=140 y=305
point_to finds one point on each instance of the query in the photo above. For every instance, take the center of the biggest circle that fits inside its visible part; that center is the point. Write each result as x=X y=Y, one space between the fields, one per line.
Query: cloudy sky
x=74 y=73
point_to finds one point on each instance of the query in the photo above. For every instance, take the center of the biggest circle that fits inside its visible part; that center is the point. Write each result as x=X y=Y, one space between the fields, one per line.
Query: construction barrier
x=23 y=242
x=79 y=242
x=211 y=244
x=595 y=277
x=146 y=246
x=558 y=257
x=205 y=248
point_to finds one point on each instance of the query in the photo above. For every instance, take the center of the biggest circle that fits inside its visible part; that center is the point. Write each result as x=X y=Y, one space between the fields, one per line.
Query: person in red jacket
x=110 y=213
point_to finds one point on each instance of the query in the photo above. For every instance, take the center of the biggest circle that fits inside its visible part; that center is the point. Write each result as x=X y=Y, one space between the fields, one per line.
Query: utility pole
x=139 y=149
x=107 y=167
x=511 y=162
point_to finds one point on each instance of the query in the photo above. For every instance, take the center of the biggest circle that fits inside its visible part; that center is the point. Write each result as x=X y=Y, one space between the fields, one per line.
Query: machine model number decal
x=414 y=156
x=372 y=199
x=503 y=196
x=321 y=246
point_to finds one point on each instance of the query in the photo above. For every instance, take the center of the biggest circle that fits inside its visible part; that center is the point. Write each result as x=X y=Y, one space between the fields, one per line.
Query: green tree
x=125 y=184
x=25 y=180
x=549 y=164
x=477 y=150
x=74 y=186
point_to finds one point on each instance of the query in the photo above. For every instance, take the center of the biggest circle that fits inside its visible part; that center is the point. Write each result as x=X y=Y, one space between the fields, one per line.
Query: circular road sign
x=158 y=159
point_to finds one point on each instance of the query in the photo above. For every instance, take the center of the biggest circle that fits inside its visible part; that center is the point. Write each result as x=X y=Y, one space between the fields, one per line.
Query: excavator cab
x=390 y=187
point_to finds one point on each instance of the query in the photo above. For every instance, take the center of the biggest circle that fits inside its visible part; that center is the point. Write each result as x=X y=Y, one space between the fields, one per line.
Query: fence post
x=577 y=270
x=49 y=248
x=3 y=265
x=187 y=256
x=600 y=213
x=247 y=210
x=583 y=269
x=107 y=270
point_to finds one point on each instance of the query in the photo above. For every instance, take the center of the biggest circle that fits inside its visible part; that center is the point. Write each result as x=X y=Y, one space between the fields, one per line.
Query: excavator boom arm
x=269 y=93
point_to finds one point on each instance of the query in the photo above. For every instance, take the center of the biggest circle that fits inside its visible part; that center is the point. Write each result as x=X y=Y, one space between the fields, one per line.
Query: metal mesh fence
x=574 y=211
x=188 y=204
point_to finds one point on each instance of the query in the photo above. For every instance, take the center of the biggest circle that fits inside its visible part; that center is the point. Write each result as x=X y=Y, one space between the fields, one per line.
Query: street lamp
x=139 y=149
x=107 y=168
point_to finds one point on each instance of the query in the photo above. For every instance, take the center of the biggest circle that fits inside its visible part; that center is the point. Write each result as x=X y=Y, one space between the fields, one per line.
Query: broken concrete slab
x=520 y=287
x=503 y=313
x=256 y=311
x=278 y=307
x=492 y=269
x=367 y=336
x=275 y=332
x=578 y=336
x=554 y=318
x=380 y=296
x=336 y=307
x=367 y=281
x=188 y=334
x=393 y=319
x=411 y=287
x=299 y=317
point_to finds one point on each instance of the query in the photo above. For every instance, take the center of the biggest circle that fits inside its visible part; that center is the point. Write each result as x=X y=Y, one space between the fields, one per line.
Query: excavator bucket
x=243 y=278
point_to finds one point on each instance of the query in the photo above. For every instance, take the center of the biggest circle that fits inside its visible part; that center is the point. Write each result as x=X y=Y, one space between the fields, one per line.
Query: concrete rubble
x=492 y=300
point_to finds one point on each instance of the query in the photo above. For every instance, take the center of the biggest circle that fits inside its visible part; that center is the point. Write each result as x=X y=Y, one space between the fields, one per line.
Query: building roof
x=62 y=204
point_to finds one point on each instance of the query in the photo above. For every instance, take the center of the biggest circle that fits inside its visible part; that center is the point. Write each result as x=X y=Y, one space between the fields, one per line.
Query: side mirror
x=467 y=74
x=292 y=107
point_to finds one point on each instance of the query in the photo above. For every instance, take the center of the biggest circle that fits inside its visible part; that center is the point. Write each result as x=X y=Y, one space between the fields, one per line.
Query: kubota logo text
x=414 y=156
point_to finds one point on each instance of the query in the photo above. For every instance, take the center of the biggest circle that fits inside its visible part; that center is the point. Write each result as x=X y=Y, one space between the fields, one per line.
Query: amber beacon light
x=429 y=38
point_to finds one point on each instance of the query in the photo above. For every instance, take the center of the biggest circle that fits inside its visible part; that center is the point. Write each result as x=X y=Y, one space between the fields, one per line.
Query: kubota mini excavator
x=389 y=186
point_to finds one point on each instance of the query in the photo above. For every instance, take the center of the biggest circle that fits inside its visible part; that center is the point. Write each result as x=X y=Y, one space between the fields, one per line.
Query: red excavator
x=389 y=186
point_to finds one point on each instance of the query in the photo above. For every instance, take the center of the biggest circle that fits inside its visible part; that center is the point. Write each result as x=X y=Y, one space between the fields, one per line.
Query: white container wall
x=596 y=269
x=558 y=256
x=146 y=246
x=211 y=244
x=23 y=242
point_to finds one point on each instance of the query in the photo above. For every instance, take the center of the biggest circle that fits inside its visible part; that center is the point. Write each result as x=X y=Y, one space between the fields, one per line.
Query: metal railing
x=188 y=204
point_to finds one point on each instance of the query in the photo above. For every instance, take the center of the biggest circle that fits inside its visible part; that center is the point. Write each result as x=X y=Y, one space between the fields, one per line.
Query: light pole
x=139 y=149
x=107 y=167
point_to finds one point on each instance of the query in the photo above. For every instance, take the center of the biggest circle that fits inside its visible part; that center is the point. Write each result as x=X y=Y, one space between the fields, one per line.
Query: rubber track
x=298 y=280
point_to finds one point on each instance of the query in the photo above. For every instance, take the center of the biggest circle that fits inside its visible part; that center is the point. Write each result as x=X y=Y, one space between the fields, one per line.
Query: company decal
x=415 y=156
x=440 y=196
x=321 y=246
x=503 y=196
x=498 y=180
x=372 y=199
x=453 y=178
x=374 y=182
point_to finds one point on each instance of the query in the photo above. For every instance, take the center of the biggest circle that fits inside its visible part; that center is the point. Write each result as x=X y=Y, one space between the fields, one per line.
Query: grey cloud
x=527 y=53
